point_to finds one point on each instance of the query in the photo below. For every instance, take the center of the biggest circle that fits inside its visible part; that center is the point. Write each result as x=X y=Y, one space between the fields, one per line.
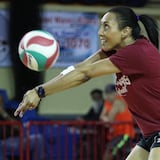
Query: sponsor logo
x=121 y=85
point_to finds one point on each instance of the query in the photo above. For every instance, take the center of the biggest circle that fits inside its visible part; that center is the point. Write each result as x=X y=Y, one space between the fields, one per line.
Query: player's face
x=109 y=33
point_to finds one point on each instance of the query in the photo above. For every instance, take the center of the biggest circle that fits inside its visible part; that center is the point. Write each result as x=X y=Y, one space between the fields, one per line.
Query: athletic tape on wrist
x=68 y=70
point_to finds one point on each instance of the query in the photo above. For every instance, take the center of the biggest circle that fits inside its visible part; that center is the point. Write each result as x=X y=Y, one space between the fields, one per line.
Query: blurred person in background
x=96 y=107
x=92 y=115
x=120 y=130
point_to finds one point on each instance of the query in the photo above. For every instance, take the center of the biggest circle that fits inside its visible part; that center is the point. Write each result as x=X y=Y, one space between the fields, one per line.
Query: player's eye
x=106 y=26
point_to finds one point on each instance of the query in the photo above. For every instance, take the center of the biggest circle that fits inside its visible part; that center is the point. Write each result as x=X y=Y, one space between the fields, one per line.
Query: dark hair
x=127 y=17
x=96 y=91
x=109 y=88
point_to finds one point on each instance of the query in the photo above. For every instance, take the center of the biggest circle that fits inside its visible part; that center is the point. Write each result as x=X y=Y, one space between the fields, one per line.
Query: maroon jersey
x=139 y=82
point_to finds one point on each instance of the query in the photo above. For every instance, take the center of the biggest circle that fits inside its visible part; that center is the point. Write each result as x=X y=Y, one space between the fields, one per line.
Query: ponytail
x=151 y=28
x=127 y=17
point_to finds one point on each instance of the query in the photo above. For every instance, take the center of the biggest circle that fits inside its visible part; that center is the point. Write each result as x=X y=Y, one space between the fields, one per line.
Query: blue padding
x=8 y=103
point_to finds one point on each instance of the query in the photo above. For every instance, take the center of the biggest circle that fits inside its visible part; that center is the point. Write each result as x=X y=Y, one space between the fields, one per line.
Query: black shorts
x=150 y=142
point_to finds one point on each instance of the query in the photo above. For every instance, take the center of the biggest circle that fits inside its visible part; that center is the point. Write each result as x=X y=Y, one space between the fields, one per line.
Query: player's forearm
x=73 y=78
x=95 y=57
x=62 y=82
x=81 y=74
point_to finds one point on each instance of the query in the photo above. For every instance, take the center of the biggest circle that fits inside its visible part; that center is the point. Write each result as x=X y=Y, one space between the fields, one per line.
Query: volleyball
x=38 y=50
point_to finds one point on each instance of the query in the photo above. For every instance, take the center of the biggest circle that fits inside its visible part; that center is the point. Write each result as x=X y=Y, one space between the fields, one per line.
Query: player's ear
x=126 y=32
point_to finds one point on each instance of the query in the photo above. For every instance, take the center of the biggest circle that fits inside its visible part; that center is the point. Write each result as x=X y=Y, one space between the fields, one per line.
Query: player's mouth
x=103 y=41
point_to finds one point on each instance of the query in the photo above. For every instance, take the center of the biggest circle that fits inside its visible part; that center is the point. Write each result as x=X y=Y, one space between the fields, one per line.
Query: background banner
x=4 y=44
x=77 y=34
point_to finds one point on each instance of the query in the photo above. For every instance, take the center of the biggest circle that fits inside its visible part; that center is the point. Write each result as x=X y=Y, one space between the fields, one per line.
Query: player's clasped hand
x=29 y=102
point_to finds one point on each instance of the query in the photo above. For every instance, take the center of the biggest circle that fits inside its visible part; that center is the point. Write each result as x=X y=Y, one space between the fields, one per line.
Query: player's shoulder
x=135 y=49
x=138 y=44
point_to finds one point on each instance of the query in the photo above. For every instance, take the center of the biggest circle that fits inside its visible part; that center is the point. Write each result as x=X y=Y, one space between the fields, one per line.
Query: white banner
x=77 y=34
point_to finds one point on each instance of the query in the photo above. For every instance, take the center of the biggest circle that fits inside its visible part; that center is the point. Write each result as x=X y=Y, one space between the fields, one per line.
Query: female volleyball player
x=136 y=62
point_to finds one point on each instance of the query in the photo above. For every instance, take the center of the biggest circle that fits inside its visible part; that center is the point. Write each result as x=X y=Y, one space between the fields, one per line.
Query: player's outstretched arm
x=93 y=58
x=69 y=78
